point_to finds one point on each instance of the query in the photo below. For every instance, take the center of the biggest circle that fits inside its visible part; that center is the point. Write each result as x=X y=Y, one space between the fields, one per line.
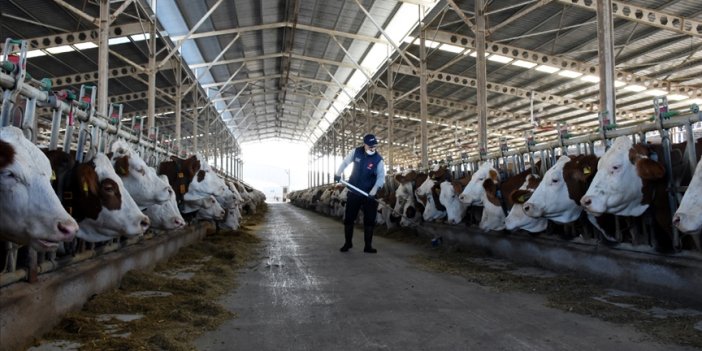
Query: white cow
x=426 y=191
x=455 y=209
x=473 y=192
x=207 y=208
x=118 y=214
x=617 y=186
x=517 y=218
x=140 y=180
x=551 y=198
x=493 y=216
x=30 y=212
x=165 y=216
x=688 y=217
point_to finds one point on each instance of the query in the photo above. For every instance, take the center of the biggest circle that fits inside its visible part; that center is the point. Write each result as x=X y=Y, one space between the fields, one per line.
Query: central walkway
x=304 y=294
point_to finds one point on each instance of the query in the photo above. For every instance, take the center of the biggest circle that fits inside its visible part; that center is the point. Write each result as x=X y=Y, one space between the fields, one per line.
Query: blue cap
x=370 y=140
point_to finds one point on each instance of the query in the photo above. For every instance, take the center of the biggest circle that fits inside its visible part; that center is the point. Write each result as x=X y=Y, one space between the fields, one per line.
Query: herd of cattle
x=48 y=198
x=623 y=196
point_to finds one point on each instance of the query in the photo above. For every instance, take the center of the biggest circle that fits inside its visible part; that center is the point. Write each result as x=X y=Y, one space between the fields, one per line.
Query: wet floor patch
x=159 y=310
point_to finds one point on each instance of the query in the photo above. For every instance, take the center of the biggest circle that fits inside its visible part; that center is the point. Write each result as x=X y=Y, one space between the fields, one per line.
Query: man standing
x=368 y=174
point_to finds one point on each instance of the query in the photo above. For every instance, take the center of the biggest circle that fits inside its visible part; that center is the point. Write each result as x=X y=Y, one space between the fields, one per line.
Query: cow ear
x=87 y=179
x=489 y=186
x=122 y=166
x=520 y=196
x=494 y=176
x=7 y=154
x=649 y=169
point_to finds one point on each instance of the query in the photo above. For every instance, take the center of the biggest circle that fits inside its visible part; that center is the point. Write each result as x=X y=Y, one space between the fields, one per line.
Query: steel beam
x=192 y=30
x=646 y=16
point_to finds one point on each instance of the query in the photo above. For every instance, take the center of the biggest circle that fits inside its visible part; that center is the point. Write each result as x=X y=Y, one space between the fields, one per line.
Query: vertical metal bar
x=55 y=126
x=178 y=106
x=692 y=152
x=481 y=74
x=423 y=94
x=391 y=114
x=196 y=117
x=103 y=57
x=605 y=43
x=151 y=103
x=29 y=121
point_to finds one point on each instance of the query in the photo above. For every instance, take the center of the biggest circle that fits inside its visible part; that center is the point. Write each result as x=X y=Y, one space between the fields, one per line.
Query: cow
x=517 y=218
x=140 y=180
x=207 y=208
x=405 y=203
x=165 y=216
x=629 y=180
x=30 y=212
x=429 y=191
x=455 y=209
x=472 y=193
x=104 y=208
x=688 y=217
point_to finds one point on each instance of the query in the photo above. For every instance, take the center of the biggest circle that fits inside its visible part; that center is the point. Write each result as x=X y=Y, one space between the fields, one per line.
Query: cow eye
x=554 y=180
x=615 y=167
x=7 y=174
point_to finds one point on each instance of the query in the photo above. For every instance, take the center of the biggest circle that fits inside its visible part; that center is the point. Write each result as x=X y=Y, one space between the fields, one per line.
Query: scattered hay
x=566 y=292
x=169 y=322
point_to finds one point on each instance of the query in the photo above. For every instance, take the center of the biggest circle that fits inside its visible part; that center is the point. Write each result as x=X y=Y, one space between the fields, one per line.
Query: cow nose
x=67 y=228
x=586 y=201
x=677 y=219
x=144 y=223
x=178 y=222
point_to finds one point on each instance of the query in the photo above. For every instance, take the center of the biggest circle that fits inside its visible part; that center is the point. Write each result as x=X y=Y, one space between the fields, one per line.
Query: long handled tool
x=361 y=192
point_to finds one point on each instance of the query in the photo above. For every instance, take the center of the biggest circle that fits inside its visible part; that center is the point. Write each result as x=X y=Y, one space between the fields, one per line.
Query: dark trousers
x=354 y=203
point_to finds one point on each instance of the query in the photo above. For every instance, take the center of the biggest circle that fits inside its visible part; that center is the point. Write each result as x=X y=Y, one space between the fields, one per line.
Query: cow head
x=688 y=217
x=455 y=210
x=30 y=212
x=556 y=197
x=165 y=216
x=493 y=217
x=618 y=186
x=517 y=218
x=106 y=210
x=473 y=192
x=140 y=180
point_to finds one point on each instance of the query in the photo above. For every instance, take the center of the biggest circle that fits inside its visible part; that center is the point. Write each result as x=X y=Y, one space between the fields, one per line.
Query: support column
x=391 y=114
x=178 y=106
x=208 y=151
x=196 y=117
x=605 y=45
x=151 y=104
x=103 y=58
x=481 y=74
x=423 y=94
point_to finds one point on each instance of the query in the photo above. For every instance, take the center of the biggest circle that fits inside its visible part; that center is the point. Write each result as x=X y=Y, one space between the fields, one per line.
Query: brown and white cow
x=517 y=218
x=165 y=216
x=140 y=180
x=105 y=210
x=30 y=212
x=629 y=180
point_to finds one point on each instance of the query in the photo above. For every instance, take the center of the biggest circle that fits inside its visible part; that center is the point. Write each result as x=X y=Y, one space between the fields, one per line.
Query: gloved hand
x=337 y=178
x=373 y=192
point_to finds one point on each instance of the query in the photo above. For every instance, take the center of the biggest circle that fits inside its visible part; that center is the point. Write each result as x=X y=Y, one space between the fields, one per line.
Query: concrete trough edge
x=29 y=310
x=678 y=277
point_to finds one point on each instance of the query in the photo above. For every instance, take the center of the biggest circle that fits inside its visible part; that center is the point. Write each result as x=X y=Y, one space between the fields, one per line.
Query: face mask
x=370 y=153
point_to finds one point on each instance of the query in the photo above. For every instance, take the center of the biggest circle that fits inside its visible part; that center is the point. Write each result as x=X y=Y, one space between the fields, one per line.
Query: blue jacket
x=365 y=169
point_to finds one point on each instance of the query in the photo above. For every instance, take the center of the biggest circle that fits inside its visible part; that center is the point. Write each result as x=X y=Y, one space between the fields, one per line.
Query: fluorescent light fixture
x=635 y=88
x=452 y=48
x=86 y=45
x=569 y=74
x=35 y=53
x=619 y=83
x=547 y=68
x=655 y=92
x=119 y=40
x=475 y=54
x=141 y=37
x=677 y=97
x=409 y=39
x=525 y=64
x=499 y=58
x=60 y=49
x=590 y=78
x=428 y=43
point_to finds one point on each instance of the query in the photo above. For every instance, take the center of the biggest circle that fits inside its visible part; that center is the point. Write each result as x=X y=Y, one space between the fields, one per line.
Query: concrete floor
x=304 y=294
